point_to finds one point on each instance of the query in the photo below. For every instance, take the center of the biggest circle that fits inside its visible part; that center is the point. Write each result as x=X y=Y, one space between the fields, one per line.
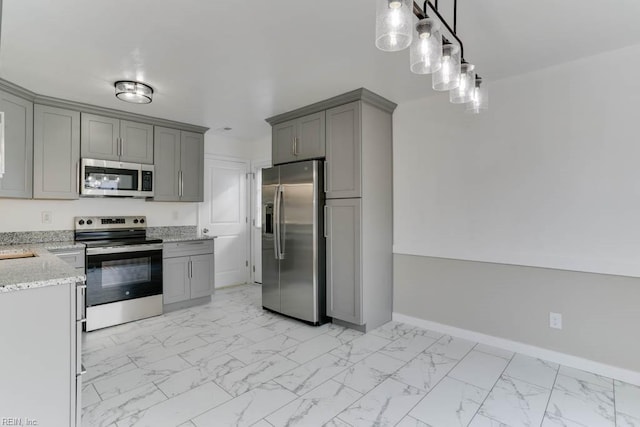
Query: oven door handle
x=124 y=249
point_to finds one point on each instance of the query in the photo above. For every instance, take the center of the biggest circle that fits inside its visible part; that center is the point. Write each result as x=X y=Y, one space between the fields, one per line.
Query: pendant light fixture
x=135 y=92
x=435 y=48
x=467 y=81
x=426 y=48
x=479 y=98
x=394 y=19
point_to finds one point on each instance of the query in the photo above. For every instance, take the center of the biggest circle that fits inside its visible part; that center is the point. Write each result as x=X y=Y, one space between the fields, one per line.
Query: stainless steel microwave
x=110 y=178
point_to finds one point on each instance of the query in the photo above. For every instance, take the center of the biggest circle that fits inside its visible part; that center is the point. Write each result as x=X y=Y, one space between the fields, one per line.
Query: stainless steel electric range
x=124 y=270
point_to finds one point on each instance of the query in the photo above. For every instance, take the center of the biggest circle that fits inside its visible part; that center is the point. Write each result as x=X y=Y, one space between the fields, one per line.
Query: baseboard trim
x=621 y=374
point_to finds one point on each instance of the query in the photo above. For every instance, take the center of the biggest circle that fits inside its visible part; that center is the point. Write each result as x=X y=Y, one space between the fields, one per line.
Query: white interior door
x=224 y=214
x=256 y=218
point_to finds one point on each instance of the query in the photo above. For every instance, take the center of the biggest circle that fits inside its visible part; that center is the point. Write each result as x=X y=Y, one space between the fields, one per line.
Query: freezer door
x=299 y=249
x=270 y=263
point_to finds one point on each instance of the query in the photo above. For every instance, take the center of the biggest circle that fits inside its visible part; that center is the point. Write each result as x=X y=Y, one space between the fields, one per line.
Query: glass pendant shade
x=426 y=47
x=135 y=92
x=448 y=76
x=479 y=98
x=394 y=24
x=464 y=92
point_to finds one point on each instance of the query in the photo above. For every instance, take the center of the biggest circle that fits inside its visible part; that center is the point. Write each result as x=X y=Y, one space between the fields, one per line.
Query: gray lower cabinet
x=107 y=138
x=179 y=165
x=18 y=147
x=56 y=153
x=344 y=260
x=299 y=139
x=188 y=271
x=41 y=378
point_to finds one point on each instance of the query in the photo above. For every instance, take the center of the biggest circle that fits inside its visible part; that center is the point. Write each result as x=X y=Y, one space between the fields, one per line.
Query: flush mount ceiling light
x=135 y=92
x=431 y=51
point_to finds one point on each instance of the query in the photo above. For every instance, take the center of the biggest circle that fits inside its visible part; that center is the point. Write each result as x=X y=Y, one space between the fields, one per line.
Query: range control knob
x=135 y=221
x=141 y=220
x=89 y=222
x=81 y=222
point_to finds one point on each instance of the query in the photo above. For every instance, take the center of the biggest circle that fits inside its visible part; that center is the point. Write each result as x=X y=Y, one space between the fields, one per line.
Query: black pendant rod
x=422 y=13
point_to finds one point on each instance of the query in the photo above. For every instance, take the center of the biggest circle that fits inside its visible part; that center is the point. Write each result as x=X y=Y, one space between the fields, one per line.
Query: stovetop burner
x=112 y=231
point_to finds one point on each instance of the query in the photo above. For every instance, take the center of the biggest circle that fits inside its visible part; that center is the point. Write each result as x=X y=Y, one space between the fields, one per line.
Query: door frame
x=247 y=173
x=255 y=166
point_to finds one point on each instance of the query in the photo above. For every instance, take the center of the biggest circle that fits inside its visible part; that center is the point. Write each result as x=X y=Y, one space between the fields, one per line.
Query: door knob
x=205 y=230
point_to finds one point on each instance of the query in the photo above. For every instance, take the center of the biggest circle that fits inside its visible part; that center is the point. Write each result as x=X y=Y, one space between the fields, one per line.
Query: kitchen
x=485 y=196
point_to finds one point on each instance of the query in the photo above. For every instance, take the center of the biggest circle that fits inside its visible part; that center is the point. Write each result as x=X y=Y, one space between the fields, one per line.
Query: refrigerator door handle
x=325 y=222
x=275 y=219
x=281 y=223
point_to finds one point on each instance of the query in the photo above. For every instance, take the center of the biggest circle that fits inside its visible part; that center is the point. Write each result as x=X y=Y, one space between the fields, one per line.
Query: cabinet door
x=192 y=166
x=167 y=164
x=137 y=142
x=17 y=180
x=282 y=137
x=175 y=279
x=202 y=275
x=99 y=137
x=343 y=164
x=344 y=279
x=311 y=137
x=56 y=153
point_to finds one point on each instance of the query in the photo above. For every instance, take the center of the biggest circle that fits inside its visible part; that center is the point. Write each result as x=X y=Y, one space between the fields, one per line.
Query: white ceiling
x=234 y=63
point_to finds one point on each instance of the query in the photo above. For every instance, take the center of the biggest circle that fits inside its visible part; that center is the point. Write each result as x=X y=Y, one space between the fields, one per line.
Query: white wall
x=549 y=176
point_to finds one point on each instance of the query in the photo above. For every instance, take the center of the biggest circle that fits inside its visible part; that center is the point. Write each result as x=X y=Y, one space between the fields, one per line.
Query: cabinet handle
x=325 y=177
x=181 y=181
x=325 y=221
x=297 y=140
x=293 y=146
x=190 y=269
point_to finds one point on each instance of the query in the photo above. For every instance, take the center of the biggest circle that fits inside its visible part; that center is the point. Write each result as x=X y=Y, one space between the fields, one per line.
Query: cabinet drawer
x=187 y=248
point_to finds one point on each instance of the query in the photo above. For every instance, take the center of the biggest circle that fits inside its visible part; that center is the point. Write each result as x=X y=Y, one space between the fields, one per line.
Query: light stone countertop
x=46 y=269
x=184 y=238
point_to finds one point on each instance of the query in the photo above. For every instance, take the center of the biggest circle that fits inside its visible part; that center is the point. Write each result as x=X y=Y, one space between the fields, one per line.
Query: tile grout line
x=494 y=384
x=550 y=394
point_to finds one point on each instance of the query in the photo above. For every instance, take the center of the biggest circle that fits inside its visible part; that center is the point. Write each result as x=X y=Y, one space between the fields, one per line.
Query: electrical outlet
x=46 y=217
x=555 y=320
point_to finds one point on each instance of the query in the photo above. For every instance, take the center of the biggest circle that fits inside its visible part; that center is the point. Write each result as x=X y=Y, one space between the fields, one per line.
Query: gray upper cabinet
x=106 y=138
x=17 y=180
x=179 y=165
x=56 y=153
x=343 y=164
x=299 y=139
x=344 y=278
x=192 y=166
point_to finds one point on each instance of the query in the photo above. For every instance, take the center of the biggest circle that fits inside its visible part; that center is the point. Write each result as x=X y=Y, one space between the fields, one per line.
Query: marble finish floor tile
x=385 y=405
x=407 y=347
x=244 y=379
x=627 y=403
x=129 y=380
x=534 y=371
x=516 y=403
x=368 y=373
x=228 y=362
x=361 y=347
x=479 y=369
x=450 y=403
x=425 y=370
x=316 y=407
x=179 y=409
x=311 y=374
x=123 y=406
x=582 y=402
x=248 y=408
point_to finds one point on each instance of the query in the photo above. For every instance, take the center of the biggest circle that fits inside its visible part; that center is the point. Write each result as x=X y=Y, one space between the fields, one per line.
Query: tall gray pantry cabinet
x=359 y=197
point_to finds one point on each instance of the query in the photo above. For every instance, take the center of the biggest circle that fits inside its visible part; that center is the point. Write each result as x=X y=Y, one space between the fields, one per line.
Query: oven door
x=123 y=272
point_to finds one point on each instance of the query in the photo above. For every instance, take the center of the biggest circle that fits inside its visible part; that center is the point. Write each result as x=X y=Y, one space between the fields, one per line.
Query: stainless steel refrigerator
x=293 y=242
